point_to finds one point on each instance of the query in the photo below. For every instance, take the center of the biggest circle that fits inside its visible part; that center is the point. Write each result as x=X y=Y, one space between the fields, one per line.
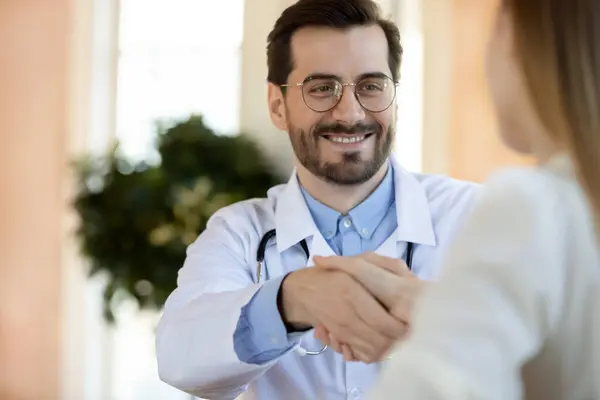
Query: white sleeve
x=194 y=338
x=498 y=295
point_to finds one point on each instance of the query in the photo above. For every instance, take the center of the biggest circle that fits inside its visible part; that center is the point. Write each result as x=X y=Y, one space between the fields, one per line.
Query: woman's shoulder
x=519 y=192
x=532 y=190
x=522 y=213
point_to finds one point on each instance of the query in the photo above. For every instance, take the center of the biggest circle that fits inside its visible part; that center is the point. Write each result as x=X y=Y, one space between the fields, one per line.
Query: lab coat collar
x=294 y=222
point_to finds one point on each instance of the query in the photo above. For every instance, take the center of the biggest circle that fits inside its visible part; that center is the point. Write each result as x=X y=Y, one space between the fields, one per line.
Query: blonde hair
x=558 y=45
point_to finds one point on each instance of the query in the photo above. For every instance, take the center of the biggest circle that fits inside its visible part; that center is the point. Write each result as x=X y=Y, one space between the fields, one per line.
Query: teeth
x=342 y=139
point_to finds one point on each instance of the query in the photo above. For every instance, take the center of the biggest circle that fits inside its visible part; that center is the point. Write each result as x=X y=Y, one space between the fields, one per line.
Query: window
x=169 y=66
x=409 y=128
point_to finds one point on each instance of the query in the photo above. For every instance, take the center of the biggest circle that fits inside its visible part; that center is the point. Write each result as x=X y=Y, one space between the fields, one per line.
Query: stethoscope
x=260 y=258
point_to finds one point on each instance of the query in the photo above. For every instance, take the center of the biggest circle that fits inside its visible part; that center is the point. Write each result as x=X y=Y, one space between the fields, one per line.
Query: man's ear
x=277 y=107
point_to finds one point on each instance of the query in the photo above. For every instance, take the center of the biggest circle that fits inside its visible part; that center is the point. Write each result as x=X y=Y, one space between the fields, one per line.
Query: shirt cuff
x=260 y=335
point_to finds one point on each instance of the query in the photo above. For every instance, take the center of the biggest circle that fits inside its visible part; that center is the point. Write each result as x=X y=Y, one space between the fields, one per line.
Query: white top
x=194 y=339
x=516 y=314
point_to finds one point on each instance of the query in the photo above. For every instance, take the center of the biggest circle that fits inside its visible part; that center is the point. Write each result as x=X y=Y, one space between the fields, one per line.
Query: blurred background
x=76 y=76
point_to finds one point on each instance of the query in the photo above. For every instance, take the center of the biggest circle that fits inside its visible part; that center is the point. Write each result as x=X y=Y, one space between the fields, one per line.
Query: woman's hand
x=388 y=279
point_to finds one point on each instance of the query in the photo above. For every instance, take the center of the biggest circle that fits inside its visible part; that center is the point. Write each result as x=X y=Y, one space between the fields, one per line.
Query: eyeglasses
x=321 y=93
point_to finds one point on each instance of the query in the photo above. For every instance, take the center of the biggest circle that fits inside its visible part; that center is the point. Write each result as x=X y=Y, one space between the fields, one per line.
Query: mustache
x=361 y=127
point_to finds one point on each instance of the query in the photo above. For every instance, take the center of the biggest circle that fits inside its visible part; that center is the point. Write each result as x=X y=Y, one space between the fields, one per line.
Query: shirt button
x=355 y=393
x=365 y=231
x=347 y=222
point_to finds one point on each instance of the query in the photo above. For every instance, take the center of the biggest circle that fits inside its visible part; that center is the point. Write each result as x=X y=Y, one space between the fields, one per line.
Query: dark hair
x=339 y=14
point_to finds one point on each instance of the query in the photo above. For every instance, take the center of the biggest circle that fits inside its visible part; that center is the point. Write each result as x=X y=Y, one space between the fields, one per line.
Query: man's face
x=346 y=145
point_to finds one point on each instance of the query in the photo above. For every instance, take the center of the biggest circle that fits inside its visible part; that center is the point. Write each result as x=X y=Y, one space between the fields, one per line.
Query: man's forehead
x=347 y=53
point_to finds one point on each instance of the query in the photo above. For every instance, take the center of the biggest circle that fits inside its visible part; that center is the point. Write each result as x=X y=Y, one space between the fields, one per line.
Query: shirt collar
x=294 y=222
x=326 y=219
x=366 y=216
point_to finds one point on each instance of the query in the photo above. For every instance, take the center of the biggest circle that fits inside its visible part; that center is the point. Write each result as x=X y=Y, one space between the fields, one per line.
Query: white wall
x=259 y=17
x=436 y=22
x=86 y=338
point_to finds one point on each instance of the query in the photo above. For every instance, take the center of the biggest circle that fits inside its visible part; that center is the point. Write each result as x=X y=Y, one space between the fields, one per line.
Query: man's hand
x=332 y=299
x=388 y=279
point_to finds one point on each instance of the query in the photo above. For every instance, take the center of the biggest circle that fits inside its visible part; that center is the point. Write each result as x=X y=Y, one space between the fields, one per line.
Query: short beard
x=353 y=169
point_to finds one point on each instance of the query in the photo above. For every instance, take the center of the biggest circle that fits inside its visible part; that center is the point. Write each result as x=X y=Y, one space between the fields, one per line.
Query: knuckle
x=344 y=321
x=373 y=356
x=350 y=297
x=384 y=322
x=349 y=292
x=399 y=264
x=368 y=359
x=345 y=279
x=343 y=336
x=394 y=328
x=344 y=324
x=335 y=344
x=402 y=312
x=382 y=347
x=402 y=331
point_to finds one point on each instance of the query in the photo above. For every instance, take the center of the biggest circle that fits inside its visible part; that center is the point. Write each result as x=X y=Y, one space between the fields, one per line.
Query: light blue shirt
x=363 y=229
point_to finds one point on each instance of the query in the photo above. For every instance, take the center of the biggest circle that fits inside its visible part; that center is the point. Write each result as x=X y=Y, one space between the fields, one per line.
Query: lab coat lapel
x=412 y=209
x=294 y=223
x=293 y=220
x=319 y=247
x=389 y=248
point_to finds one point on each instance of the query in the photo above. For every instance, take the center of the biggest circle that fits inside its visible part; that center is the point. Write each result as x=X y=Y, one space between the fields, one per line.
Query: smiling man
x=231 y=327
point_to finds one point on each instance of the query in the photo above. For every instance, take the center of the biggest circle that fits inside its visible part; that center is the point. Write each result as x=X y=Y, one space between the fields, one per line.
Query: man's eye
x=370 y=87
x=322 y=89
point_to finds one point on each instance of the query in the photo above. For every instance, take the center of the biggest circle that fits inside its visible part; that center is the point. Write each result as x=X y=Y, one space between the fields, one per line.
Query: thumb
x=319 y=260
x=394 y=265
x=330 y=262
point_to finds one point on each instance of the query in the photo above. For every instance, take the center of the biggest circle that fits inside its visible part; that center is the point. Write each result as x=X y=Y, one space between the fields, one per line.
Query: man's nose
x=348 y=110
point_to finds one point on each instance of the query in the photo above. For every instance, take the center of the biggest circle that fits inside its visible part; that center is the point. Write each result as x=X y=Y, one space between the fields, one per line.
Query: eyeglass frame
x=343 y=84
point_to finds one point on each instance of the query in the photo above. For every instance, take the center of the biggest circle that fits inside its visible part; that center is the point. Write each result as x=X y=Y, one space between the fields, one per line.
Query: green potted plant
x=137 y=219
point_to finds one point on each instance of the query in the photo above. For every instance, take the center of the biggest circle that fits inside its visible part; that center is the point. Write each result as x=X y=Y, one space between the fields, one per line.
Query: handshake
x=359 y=306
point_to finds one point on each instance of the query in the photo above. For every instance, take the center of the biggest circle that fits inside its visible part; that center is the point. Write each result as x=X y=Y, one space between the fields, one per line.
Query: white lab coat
x=516 y=311
x=194 y=340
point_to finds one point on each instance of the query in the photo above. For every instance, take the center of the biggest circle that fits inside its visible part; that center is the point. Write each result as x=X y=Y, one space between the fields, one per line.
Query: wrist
x=290 y=306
